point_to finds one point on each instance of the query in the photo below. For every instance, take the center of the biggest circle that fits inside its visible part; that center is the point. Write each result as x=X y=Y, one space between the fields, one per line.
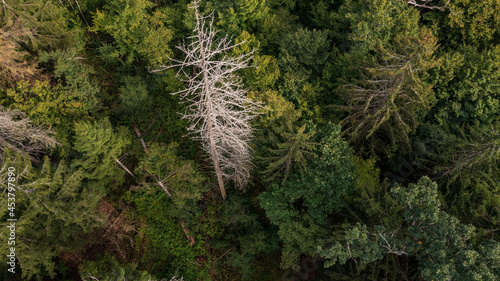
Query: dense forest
x=250 y=140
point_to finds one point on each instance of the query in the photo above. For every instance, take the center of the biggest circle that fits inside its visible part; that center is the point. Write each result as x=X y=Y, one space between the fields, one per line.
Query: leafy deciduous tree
x=445 y=247
x=302 y=205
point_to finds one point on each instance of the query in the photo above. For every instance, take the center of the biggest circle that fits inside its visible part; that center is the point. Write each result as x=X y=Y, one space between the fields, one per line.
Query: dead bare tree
x=427 y=4
x=477 y=154
x=18 y=133
x=218 y=108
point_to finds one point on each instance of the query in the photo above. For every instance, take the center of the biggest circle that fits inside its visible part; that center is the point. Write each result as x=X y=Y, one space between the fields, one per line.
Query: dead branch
x=18 y=133
x=124 y=167
x=425 y=4
x=136 y=129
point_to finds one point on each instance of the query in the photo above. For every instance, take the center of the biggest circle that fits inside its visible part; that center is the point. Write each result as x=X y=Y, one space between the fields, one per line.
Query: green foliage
x=332 y=175
x=107 y=268
x=392 y=56
x=180 y=177
x=244 y=238
x=168 y=250
x=154 y=110
x=77 y=78
x=46 y=105
x=301 y=206
x=249 y=15
x=396 y=77
x=39 y=24
x=134 y=94
x=137 y=32
x=468 y=87
x=467 y=165
x=467 y=22
x=265 y=73
x=278 y=112
x=252 y=16
x=159 y=172
x=377 y=23
x=372 y=201
x=276 y=123
x=100 y=147
x=444 y=247
x=303 y=53
x=359 y=243
x=55 y=211
x=52 y=106
x=294 y=151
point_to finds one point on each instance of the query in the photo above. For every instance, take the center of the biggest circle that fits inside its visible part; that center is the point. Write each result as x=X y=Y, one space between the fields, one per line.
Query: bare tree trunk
x=124 y=167
x=186 y=231
x=215 y=157
x=425 y=4
x=136 y=129
x=164 y=188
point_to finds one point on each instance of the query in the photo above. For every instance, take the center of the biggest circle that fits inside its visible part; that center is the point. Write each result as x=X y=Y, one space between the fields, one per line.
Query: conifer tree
x=219 y=110
x=137 y=31
x=391 y=94
x=38 y=25
x=18 y=133
x=292 y=152
x=54 y=209
x=13 y=66
x=300 y=208
x=101 y=148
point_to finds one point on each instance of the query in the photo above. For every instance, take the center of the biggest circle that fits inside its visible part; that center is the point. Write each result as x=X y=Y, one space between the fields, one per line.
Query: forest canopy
x=250 y=140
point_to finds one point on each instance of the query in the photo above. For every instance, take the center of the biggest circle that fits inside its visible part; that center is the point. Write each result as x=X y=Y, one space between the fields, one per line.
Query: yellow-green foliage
x=138 y=31
x=46 y=104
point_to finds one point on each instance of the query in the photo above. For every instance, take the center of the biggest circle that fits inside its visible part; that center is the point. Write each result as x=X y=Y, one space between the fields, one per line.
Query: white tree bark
x=427 y=4
x=218 y=108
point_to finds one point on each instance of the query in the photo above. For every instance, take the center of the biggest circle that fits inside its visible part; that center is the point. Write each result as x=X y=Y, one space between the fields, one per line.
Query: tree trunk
x=136 y=129
x=125 y=168
x=213 y=149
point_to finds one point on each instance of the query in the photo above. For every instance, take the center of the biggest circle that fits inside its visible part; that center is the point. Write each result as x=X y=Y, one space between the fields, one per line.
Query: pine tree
x=17 y=132
x=54 y=209
x=294 y=151
x=38 y=25
x=101 y=148
x=391 y=55
x=13 y=64
x=219 y=111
